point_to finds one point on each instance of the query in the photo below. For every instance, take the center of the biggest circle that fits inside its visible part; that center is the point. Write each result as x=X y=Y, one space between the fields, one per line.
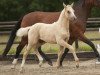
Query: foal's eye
x=68 y=12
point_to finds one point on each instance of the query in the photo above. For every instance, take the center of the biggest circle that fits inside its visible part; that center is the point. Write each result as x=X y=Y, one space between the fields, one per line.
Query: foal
x=56 y=33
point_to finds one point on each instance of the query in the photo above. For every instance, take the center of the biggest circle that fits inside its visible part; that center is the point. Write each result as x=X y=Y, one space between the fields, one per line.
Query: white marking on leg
x=39 y=57
x=97 y=62
x=14 y=63
x=99 y=30
x=98 y=48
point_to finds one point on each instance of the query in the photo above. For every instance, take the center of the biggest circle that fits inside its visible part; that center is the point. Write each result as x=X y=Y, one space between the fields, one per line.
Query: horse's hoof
x=77 y=66
x=60 y=66
x=21 y=70
x=40 y=65
x=50 y=63
x=13 y=67
x=97 y=62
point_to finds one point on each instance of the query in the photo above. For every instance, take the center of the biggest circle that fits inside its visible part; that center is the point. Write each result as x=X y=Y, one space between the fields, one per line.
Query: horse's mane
x=80 y=3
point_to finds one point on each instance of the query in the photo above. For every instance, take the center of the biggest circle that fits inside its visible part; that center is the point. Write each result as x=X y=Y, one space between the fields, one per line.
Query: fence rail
x=6 y=27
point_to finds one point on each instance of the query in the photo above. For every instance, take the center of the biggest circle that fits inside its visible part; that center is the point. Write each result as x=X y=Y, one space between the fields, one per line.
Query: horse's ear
x=64 y=5
x=72 y=4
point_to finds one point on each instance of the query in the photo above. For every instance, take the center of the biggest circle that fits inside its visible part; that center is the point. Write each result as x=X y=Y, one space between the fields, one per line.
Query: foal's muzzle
x=73 y=18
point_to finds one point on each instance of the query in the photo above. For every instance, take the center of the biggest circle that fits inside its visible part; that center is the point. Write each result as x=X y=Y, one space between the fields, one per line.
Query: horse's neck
x=82 y=10
x=63 y=21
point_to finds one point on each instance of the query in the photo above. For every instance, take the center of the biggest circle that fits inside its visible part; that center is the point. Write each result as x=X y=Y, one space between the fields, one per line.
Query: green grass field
x=53 y=48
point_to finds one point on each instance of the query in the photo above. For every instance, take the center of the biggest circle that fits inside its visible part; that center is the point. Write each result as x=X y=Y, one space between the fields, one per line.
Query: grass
x=53 y=48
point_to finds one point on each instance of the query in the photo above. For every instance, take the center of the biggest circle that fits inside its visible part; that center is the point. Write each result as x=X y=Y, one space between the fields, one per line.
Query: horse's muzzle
x=73 y=18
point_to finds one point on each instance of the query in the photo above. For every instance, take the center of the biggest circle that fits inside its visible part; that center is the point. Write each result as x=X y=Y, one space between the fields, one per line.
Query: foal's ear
x=64 y=5
x=72 y=4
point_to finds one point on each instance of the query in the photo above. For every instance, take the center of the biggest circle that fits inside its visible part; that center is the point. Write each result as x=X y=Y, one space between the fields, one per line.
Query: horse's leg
x=28 y=48
x=64 y=44
x=19 y=49
x=66 y=50
x=45 y=56
x=39 y=57
x=87 y=41
x=61 y=51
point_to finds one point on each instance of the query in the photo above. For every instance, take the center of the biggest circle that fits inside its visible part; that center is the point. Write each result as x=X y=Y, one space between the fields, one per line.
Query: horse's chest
x=64 y=34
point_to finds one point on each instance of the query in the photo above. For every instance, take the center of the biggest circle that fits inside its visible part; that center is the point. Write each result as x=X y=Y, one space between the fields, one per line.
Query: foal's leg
x=61 y=51
x=65 y=44
x=66 y=50
x=19 y=49
x=28 y=48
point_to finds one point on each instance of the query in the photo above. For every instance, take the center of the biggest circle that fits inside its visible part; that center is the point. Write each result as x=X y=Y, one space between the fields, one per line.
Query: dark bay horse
x=82 y=11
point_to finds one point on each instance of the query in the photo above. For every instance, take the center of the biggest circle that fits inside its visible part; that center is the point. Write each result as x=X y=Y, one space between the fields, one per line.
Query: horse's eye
x=68 y=12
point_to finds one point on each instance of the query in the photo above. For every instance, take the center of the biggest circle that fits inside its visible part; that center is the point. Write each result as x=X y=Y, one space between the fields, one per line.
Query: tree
x=14 y=9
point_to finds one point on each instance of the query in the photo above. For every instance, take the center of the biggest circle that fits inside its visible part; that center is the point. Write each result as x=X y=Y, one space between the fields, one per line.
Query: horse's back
x=43 y=17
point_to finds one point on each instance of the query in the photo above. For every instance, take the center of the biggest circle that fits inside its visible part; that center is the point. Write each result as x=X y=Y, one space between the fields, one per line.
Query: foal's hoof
x=21 y=70
x=50 y=63
x=13 y=67
x=40 y=64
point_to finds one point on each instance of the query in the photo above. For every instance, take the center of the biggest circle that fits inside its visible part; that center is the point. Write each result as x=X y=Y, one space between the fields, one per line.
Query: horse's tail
x=23 y=31
x=12 y=37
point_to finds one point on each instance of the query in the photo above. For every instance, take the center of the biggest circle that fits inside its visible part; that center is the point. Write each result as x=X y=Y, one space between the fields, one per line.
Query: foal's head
x=69 y=11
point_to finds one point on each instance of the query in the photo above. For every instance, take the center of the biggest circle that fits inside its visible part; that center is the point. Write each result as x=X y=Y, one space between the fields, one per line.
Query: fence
x=6 y=27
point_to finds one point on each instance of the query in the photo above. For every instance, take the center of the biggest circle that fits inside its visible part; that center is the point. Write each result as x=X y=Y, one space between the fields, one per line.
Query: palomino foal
x=56 y=33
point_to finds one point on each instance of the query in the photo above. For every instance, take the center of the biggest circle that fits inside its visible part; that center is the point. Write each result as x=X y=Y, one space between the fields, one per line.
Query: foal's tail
x=12 y=37
x=23 y=31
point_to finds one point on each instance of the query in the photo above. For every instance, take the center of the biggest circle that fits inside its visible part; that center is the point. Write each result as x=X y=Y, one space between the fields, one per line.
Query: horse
x=82 y=11
x=59 y=35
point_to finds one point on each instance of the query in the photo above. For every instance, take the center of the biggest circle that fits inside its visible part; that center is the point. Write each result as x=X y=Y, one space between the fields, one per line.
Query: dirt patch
x=87 y=67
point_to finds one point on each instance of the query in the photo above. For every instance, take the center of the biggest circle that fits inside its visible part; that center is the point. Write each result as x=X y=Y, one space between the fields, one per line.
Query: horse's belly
x=48 y=39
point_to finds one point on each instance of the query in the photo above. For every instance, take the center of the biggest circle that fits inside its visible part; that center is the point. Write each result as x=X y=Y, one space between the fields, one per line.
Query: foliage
x=14 y=9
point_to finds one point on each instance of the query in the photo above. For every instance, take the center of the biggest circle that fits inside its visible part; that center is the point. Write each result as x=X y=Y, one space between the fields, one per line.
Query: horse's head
x=69 y=11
